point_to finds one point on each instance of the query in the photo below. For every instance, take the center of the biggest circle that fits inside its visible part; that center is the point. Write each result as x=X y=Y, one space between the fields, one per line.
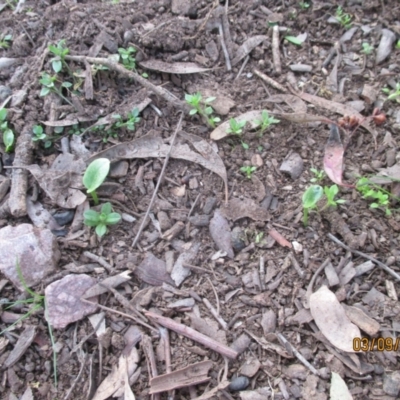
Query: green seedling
x=126 y=55
x=369 y=191
x=367 y=48
x=235 y=127
x=398 y=44
x=319 y=175
x=343 y=18
x=206 y=111
x=304 y=5
x=39 y=135
x=310 y=199
x=60 y=51
x=101 y=219
x=294 y=40
x=330 y=193
x=244 y=145
x=7 y=133
x=393 y=94
x=248 y=170
x=38 y=302
x=132 y=119
x=49 y=86
x=5 y=41
x=94 y=176
x=266 y=121
x=258 y=237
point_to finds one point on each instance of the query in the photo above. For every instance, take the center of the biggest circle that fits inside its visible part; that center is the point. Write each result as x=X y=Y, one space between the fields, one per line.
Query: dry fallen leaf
x=331 y=319
x=221 y=233
x=297 y=104
x=339 y=389
x=173 y=68
x=247 y=47
x=236 y=209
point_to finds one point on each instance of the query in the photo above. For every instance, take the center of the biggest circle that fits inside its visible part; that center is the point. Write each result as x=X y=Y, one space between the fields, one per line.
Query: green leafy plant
x=304 y=5
x=60 y=51
x=393 y=94
x=38 y=302
x=319 y=175
x=398 y=44
x=7 y=133
x=206 y=111
x=266 y=121
x=126 y=55
x=94 y=176
x=49 y=86
x=258 y=237
x=380 y=197
x=5 y=41
x=343 y=18
x=235 y=127
x=330 y=193
x=310 y=199
x=294 y=40
x=244 y=145
x=248 y=170
x=132 y=119
x=39 y=135
x=367 y=48
x=101 y=219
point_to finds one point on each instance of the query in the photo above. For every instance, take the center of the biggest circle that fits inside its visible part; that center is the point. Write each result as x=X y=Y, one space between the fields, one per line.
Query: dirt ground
x=211 y=293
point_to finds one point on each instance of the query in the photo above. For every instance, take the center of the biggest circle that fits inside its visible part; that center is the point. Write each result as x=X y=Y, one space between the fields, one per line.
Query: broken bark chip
x=153 y=271
x=221 y=233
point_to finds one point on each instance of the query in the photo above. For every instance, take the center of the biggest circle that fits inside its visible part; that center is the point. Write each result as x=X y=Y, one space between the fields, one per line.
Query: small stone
x=63 y=299
x=18 y=98
x=385 y=45
x=257 y=161
x=128 y=218
x=300 y=68
x=200 y=220
x=212 y=50
x=64 y=217
x=239 y=383
x=250 y=367
x=35 y=250
x=193 y=183
x=209 y=205
x=119 y=169
x=292 y=165
x=5 y=92
x=237 y=237
x=180 y=7
x=391 y=384
x=164 y=220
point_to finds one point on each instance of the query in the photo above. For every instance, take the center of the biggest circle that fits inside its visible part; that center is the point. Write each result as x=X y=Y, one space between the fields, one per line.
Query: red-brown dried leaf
x=279 y=238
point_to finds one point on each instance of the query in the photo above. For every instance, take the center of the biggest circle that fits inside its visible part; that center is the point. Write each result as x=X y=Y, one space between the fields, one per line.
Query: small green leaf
x=8 y=139
x=312 y=195
x=113 y=218
x=3 y=114
x=101 y=230
x=66 y=84
x=294 y=40
x=95 y=174
x=192 y=111
x=57 y=66
x=44 y=92
x=106 y=208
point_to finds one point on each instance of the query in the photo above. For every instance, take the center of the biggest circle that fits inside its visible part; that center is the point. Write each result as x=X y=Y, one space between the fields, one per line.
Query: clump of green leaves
x=101 y=219
x=205 y=111
x=60 y=51
x=235 y=127
x=314 y=194
x=266 y=121
x=393 y=94
x=127 y=58
x=367 y=48
x=7 y=133
x=294 y=40
x=380 y=197
x=5 y=41
x=319 y=175
x=39 y=135
x=49 y=86
x=248 y=170
x=94 y=176
x=343 y=18
x=304 y=5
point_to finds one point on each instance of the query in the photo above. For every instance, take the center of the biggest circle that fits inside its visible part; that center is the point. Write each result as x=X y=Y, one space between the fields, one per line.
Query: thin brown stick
x=99 y=260
x=153 y=197
x=270 y=81
x=276 y=57
x=193 y=334
x=359 y=253
x=224 y=49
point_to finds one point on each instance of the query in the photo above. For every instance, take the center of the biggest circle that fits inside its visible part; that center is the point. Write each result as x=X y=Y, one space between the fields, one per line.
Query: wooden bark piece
x=191 y=375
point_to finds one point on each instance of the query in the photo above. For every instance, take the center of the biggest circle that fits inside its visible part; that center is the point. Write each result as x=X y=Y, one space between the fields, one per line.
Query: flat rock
x=180 y=7
x=385 y=45
x=63 y=299
x=292 y=165
x=119 y=169
x=35 y=249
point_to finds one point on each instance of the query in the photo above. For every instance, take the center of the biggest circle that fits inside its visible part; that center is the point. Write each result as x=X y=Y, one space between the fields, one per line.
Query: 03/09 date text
x=376 y=344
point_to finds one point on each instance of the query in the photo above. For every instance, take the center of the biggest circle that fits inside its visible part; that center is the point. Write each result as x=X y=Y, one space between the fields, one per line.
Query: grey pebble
x=239 y=383
x=300 y=68
x=5 y=91
x=237 y=236
x=385 y=45
x=128 y=218
x=200 y=220
x=64 y=217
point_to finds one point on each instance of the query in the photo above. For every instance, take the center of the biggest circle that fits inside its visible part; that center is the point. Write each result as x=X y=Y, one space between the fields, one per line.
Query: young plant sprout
x=5 y=41
x=8 y=134
x=101 y=219
x=310 y=199
x=367 y=48
x=266 y=121
x=48 y=83
x=343 y=18
x=132 y=119
x=393 y=94
x=248 y=170
x=59 y=60
x=128 y=61
x=235 y=127
x=318 y=175
x=330 y=193
x=94 y=176
x=369 y=191
x=194 y=100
